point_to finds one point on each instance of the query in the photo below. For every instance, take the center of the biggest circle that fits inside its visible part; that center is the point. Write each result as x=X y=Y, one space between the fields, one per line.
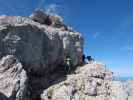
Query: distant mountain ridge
x=123 y=78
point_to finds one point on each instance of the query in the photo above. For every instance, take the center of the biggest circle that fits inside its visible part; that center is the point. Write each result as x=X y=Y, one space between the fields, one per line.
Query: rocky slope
x=32 y=54
x=89 y=82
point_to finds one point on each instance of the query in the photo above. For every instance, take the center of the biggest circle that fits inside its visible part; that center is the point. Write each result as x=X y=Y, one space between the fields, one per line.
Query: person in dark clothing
x=83 y=58
x=89 y=59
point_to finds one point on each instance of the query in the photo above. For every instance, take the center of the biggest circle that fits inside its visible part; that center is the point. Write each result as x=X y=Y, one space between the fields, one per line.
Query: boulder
x=85 y=84
x=13 y=79
x=39 y=50
x=41 y=17
x=37 y=46
x=57 y=21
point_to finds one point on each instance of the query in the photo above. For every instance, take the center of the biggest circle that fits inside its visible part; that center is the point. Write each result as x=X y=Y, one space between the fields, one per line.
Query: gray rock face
x=41 y=17
x=38 y=50
x=37 y=46
x=13 y=79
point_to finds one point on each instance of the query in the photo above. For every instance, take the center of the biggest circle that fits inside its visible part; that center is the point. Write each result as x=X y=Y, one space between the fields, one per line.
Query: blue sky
x=107 y=26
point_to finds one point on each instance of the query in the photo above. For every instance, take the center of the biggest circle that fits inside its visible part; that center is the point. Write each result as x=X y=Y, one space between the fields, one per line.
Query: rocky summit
x=32 y=56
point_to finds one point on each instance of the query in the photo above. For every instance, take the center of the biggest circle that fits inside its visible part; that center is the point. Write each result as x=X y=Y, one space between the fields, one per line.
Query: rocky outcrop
x=86 y=83
x=32 y=54
x=44 y=18
x=38 y=46
x=40 y=50
x=89 y=82
x=13 y=79
x=41 y=17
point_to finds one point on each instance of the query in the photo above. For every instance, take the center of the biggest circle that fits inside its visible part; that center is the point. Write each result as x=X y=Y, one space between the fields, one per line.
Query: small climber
x=89 y=59
x=68 y=64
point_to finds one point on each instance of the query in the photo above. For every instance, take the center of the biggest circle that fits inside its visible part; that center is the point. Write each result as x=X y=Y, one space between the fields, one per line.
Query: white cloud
x=52 y=9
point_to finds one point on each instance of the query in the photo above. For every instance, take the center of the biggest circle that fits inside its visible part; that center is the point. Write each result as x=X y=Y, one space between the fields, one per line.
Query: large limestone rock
x=13 y=79
x=40 y=50
x=86 y=84
x=89 y=82
x=37 y=46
